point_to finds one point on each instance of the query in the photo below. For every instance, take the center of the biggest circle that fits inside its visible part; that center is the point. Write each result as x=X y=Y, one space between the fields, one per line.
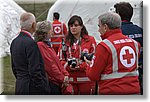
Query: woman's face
x=50 y=33
x=75 y=28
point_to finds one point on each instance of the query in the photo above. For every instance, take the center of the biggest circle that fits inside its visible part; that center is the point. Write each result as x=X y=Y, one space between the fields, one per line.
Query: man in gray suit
x=27 y=63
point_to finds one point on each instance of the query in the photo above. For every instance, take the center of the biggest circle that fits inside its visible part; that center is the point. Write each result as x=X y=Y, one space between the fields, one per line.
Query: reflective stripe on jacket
x=115 y=73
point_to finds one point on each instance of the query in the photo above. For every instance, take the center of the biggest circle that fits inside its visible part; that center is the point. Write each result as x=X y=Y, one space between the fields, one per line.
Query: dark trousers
x=141 y=79
x=55 y=89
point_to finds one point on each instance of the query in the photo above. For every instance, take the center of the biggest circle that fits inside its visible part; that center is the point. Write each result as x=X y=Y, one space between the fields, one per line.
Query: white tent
x=9 y=27
x=9 y=24
x=89 y=10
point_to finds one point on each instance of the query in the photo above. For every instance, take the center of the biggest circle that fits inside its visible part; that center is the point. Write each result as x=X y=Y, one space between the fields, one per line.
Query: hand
x=87 y=61
x=65 y=82
x=76 y=68
x=66 y=79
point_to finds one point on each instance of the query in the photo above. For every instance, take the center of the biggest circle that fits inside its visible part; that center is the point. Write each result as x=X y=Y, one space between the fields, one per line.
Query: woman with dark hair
x=77 y=44
x=56 y=73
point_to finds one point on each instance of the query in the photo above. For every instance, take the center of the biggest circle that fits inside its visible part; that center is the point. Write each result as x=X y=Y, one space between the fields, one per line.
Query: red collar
x=125 y=21
x=27 y=33
x=109 y=33
x=56 y=21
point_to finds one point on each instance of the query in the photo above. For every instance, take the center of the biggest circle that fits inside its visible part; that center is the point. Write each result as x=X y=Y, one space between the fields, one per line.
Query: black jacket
x=135 y=32
x=28 y=66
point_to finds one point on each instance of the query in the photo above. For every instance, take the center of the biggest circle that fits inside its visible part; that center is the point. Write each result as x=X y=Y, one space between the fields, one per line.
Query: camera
x=87 y=55
x=72 y=61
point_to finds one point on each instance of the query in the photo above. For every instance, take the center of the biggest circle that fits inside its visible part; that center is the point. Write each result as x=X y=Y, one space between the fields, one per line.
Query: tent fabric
x=9 y=24
x=89 y=10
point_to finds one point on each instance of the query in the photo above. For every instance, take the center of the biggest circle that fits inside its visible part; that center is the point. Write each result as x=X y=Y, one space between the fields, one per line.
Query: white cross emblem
x=57 y=29
x=127 y=56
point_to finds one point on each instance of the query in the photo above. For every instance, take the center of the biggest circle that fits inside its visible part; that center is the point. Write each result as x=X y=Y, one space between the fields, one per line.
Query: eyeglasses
x=75 y=25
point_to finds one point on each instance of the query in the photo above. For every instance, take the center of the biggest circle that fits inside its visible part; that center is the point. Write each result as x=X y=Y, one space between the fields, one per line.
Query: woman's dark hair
x=72 y=20
x=125 y=10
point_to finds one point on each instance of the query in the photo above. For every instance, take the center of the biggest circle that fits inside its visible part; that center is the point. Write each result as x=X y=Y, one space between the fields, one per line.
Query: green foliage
x=39 y=10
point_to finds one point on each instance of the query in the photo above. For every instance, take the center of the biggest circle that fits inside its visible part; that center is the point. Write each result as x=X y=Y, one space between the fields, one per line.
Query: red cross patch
x=127 y=56
x=57 y=29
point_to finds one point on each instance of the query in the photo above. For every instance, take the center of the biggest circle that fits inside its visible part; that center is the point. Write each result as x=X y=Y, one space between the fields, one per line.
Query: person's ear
x=34 y=26
x=106 y=27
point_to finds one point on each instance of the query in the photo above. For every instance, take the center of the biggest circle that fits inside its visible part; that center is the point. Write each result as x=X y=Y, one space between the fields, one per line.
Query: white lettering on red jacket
x=122 y=41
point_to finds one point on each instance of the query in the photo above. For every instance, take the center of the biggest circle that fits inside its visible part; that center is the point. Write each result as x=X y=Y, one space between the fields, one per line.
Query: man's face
x=102 y=29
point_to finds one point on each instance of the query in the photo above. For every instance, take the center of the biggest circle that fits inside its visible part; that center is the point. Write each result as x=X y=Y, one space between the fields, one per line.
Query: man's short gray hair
x=26 y=20
x=113 y=20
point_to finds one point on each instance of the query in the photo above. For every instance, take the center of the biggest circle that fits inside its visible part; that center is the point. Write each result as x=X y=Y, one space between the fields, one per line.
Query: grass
x=9 y=80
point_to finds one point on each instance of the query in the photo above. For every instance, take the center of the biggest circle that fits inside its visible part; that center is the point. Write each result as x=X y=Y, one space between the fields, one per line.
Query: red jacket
x=115 y=64
x=60 y=30
x=53 y=67
x=88 y=44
